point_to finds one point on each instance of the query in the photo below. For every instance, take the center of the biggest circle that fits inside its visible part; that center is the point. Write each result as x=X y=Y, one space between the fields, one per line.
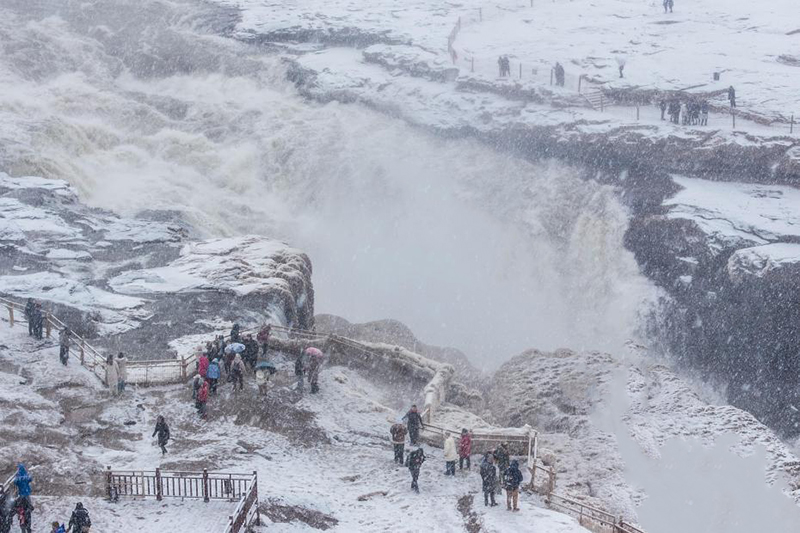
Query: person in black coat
x=38 y=321
x=24 y=510
x=513 y=479
x=235 y=333
x=414 y=424
x=79 y=521
x=489 y=479
x=6 y=513
x=29 y=307
x=501 y=458
x=662 y=105
x=250 y=354
x=732 y=96
x=162 y=430
x=414 y=463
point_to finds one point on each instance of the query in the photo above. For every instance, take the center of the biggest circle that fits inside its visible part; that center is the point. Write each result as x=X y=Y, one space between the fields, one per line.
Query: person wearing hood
x=22 y=480
x=513 y=480
x=488 y=479
x=197 y=382
x=235 y=333
x=122 y=368
x=112 y=375
x=162 y=430
x=57 y=528
x=250 y=354
x=79 y=522
x=501 y=458
x=464 y=449
x=38 y=320
x=237 y=371
x=213 y=374
x=414 y=463
x=63 y=345
x=398 y=432
x=450 y=456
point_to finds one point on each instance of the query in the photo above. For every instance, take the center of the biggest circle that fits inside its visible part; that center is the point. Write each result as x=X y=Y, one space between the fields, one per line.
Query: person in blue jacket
x=213 y=374
x=22 y=481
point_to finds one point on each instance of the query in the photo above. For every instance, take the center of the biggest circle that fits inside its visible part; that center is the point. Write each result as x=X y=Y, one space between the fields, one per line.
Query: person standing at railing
x=488 y=479
x=263 y=338
x=122 y=367
x=162 y=431
x=79 y=522
x=64 y=339
x=250 y=354
x=450 y=456
x=513 y=479
x=464 y=449
x=112 y=375
x=29 y=308
x=235 y=333
x=398 y=432
x=414 y=421
x=38 y=321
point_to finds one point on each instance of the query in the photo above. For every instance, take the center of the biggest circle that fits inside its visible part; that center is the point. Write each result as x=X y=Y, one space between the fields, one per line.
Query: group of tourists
x=22 y=508
x=687 y=113
x=505 y=66
x=240 y=353
x=35 y=317
x=497 y=470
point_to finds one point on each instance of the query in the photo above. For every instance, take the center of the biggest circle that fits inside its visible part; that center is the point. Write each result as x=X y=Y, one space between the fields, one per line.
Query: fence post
x=108 y=483
x=80 y=345
x=791 y=130
x=255 y=491
x=580 y=78
x=183 y=367
x=472 y=64
x=551 y=76
x=601 y=102
x=637 y=112
x=733 y=117
x=205 y=485
x=158 y=484
x=11 y=316
x=47 y=324
x=520 y=70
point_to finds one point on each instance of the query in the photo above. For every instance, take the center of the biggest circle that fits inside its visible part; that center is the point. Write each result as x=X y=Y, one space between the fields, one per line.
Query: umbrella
x=316 y=352
x=264 y=365
x=235 y=347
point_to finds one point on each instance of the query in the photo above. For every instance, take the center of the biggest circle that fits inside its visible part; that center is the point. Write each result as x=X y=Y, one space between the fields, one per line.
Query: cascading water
x=144 y=105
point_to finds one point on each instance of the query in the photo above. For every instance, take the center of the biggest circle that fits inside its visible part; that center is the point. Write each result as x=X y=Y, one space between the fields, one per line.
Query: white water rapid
x=146 y=105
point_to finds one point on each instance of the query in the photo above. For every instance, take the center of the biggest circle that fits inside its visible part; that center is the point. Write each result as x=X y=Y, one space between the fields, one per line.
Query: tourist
x=263 y=338
x=300 y=369
x=513 y=479
x=6 y=512
x=235 y=333
x=488 y=479
x=663 y=106
x=414 y=463
x=732 y=96
x=202 y=398
x=414 y=421
x=501 y=457
x=450 y=456
x=250 y=354
x=38 y=321
x=202 y=365
x=63 y=345
x=314 y=366
x=197 y=382
x=79 y=522
x=704 y=113
x=162 y=430
x=213 y=374
x=464 y=449
x=23 y=507
x=668 y=4
x=112 y=375
x=57 y=528
x=122 y=368
x=237 y=371
x=398 y=432
x=29 y=308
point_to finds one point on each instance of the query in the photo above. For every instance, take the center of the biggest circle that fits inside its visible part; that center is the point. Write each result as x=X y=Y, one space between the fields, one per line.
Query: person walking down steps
x=63 y=345
x=450 y=456
x=162 y=430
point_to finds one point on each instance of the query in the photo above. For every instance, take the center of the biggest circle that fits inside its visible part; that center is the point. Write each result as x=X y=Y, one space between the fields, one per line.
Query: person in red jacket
x=202 y=398
x=464 y=449
x=202 y=365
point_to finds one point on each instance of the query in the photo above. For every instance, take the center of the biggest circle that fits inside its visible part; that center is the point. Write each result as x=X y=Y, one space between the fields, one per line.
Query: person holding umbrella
x=264 y=371
x=231 y=351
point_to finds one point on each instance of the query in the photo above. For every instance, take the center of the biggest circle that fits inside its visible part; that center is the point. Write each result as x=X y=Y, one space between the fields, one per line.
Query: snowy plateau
x=518 y=255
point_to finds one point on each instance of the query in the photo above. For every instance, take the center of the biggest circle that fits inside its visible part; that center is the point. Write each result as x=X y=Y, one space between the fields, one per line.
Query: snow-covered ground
x=318 y=458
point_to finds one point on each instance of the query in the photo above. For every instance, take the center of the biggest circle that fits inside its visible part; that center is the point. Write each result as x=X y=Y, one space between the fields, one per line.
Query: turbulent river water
x=146 y=104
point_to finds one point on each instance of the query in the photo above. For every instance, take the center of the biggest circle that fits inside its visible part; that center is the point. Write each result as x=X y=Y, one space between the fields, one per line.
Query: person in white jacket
x=122 y=368
x=112 y=375
x=450 y=455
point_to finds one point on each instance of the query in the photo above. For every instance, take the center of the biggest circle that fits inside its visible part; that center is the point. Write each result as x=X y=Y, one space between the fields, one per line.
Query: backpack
x=416 y=458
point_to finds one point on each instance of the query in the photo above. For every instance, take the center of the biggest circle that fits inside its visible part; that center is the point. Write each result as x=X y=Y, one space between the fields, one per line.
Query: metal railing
x=205 y=485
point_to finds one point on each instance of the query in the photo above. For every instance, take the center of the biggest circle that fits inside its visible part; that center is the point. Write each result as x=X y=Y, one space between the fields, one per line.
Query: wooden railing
x=600 y=521
x=205 y=485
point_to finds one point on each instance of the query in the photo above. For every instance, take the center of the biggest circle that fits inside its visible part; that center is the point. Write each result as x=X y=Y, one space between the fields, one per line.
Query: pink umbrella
x=316 y=352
